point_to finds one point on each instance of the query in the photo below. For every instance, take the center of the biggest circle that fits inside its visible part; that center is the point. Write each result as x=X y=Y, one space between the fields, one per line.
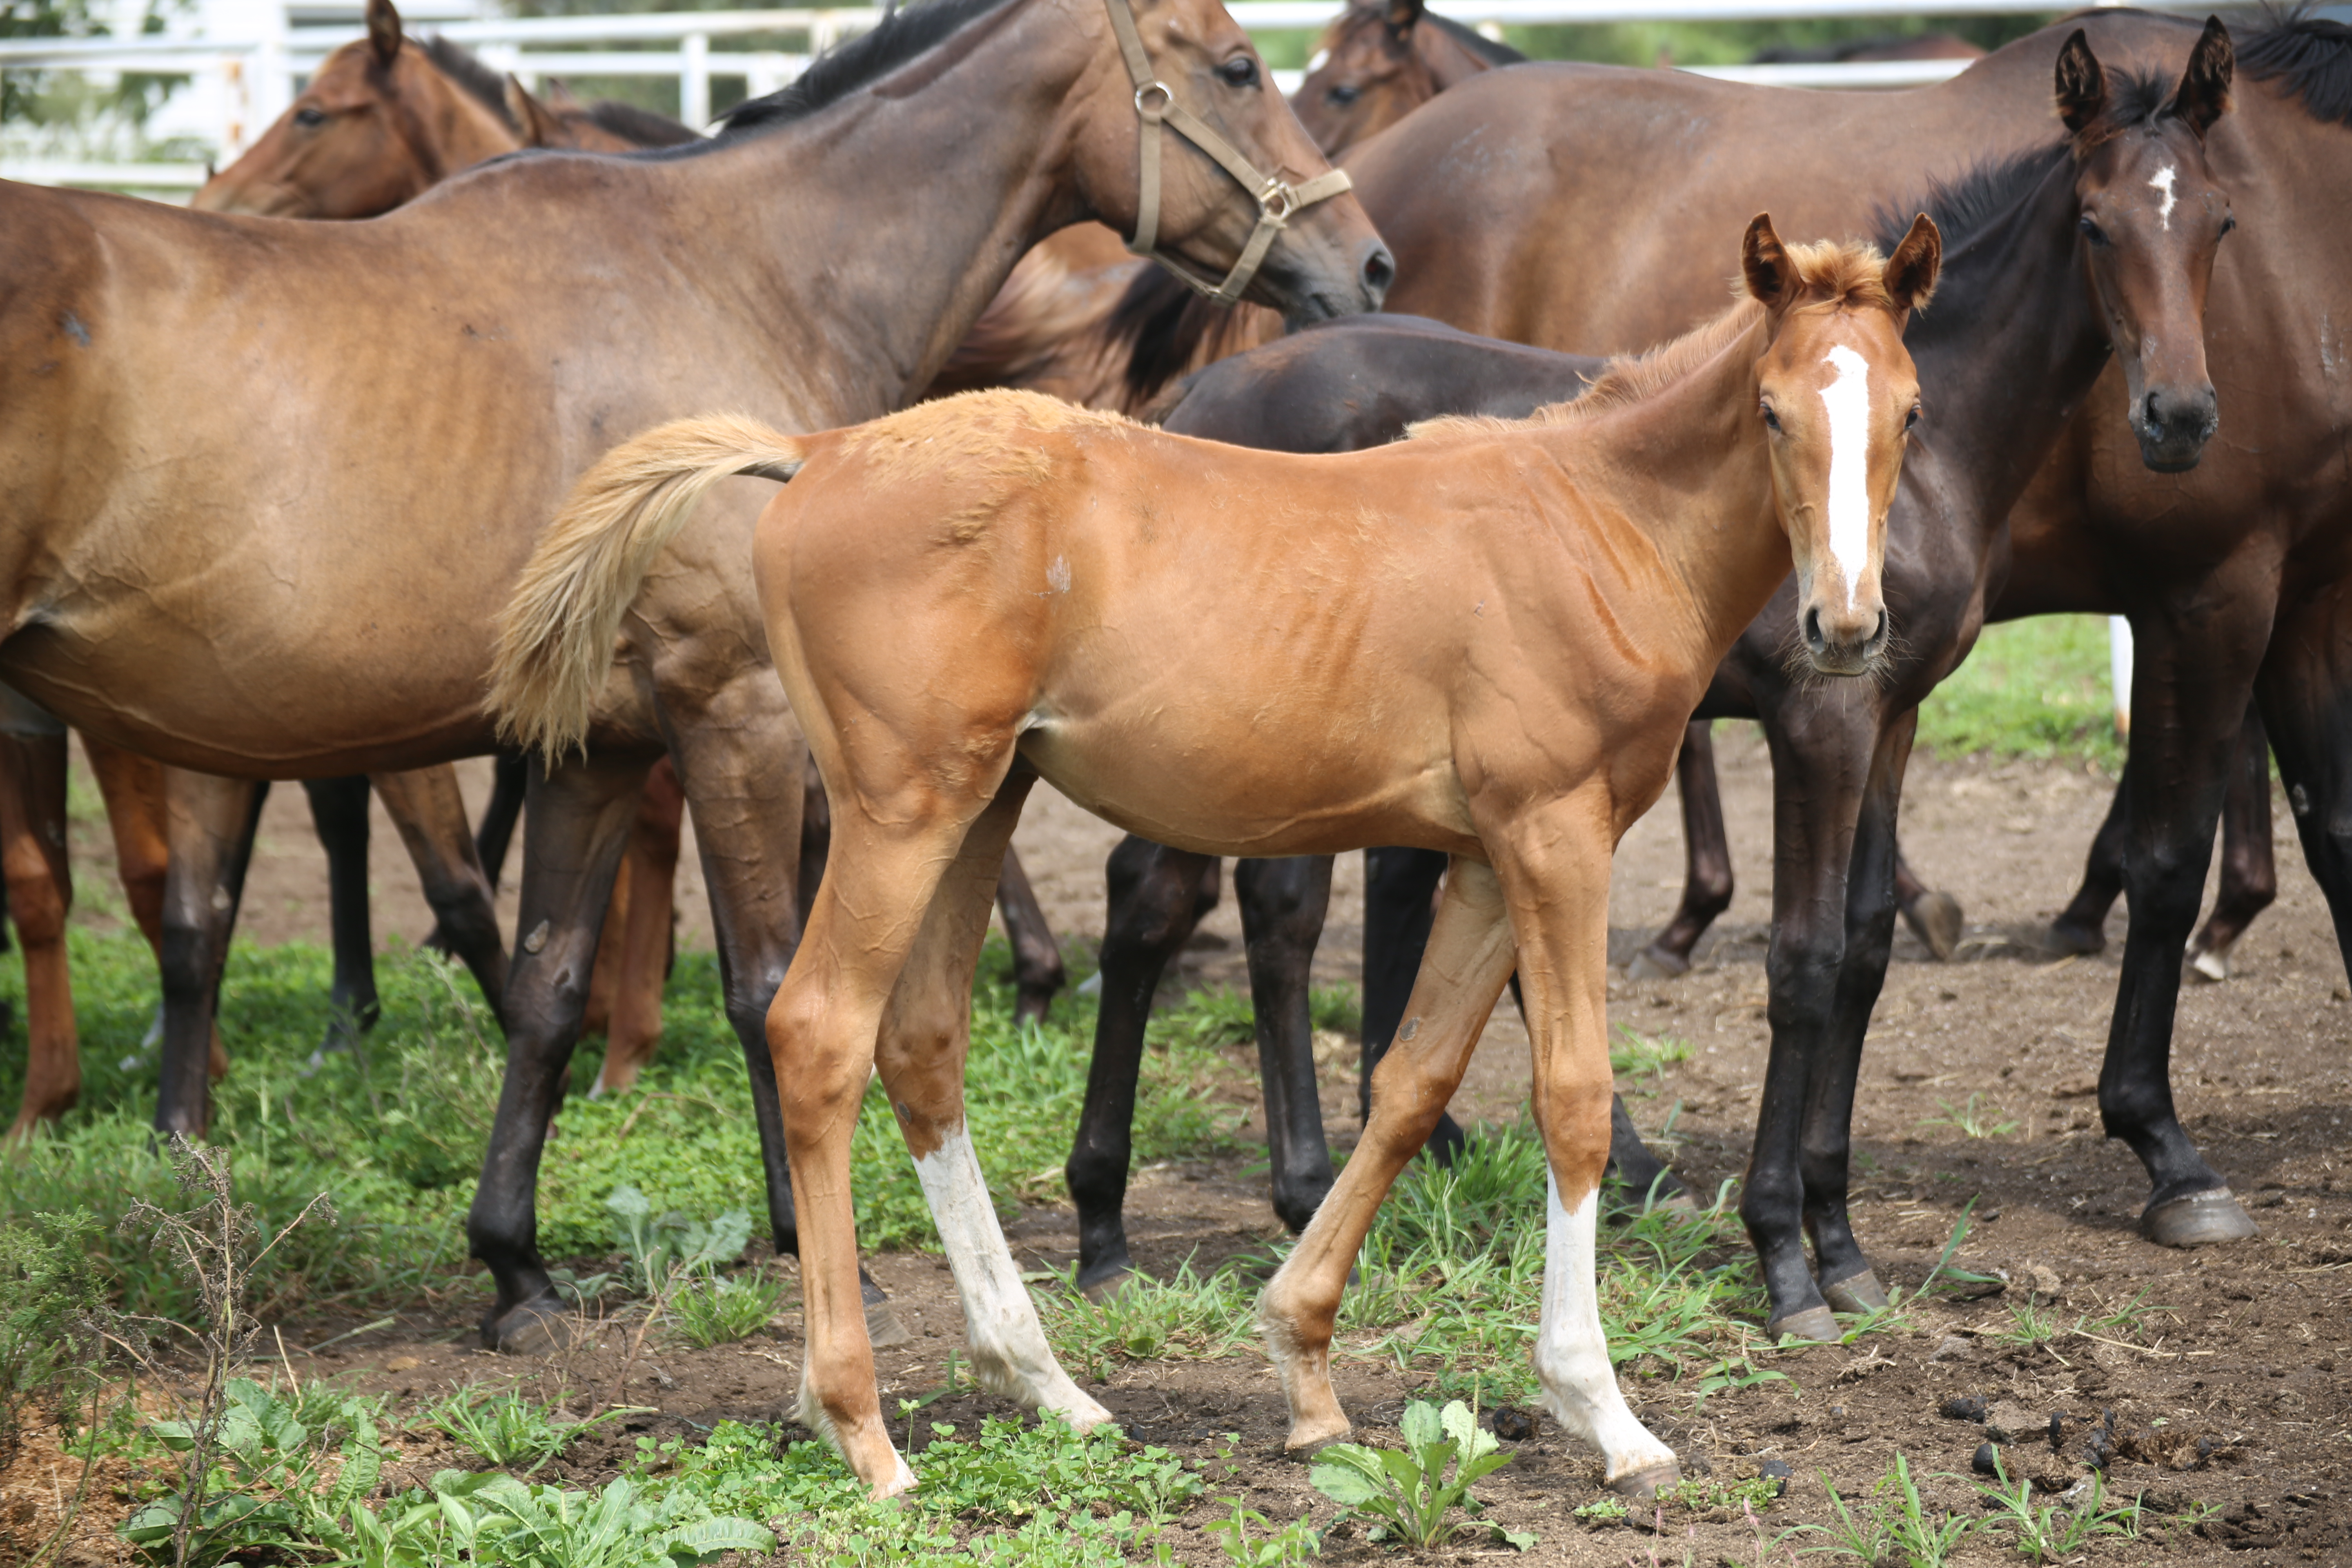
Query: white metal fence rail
x=259 y=75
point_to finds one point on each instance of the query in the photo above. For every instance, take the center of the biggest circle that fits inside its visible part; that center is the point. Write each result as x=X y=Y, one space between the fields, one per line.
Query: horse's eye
x=2228 y=223
x=1342 y=96
x=1771 y=420
x=1239 y=71
x=310 y=118
x=2092 y=231
x=1911 y=420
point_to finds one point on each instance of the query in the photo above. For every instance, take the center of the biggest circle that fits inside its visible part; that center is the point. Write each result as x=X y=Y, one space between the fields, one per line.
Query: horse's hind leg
x=577 y=828
x=1037 y=970
x=2082 y=925
x=1158 y=897
x=212 y=822
x=1400 y=889
x=339 y=810
x=510 y=778
x=922 y=1043
x=2249 y=866
x=139 y=819
x=2306 y=699
x=40 y=894
x=428 y=808
x=1707 y=849
x=1283 y=904
x=647 y=930
x=1469 y=957
x=1933 y=917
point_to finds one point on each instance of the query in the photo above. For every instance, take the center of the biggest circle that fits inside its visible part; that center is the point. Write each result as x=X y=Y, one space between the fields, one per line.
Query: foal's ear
x=535 y=119
x=1401 y=17
x=1911 y=271
x=2081 y=85
x=1771 y=277
x=384 y=31
x=2204 y=95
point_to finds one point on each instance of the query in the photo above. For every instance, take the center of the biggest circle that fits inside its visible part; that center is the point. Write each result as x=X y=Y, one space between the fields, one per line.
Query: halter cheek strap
x=1277 y=199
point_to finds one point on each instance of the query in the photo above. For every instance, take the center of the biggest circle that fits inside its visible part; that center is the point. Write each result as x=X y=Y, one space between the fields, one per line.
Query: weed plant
x=1409 y=1495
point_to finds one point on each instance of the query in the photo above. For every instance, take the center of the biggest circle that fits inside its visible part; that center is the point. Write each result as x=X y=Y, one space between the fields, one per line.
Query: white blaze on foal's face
x=1845 y=397
x=2161 y=183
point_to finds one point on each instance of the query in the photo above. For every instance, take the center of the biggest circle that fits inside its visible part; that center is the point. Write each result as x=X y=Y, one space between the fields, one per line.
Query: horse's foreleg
x=577 y=828
x=40 y=895
x=1847 y=1282
x=428 y=808
x=648 y=933
x=2249 y=867
x=1158 y=897
x=339 y=811
x=2189 y=707
x=1469 y=957
x=1283 y=904
x=1037 y=970
x=1707 y=851
x=212 y=823
x=1558 y=882
x=2306 y=699
x=1399 y=893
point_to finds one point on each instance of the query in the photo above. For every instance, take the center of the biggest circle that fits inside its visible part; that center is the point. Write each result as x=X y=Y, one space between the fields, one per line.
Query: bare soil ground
x=2242 y=1403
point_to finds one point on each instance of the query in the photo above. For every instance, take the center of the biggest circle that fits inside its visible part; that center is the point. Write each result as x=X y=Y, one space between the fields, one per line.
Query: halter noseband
x=1277 y=199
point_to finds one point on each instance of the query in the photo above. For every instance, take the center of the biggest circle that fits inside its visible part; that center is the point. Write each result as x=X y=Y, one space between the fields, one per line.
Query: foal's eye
x=1771 y=420
x=1911 y=420
x=2228 y=223
x=310 y=118
x=2092 y=232
x=1239 y=71
x=1342 y=96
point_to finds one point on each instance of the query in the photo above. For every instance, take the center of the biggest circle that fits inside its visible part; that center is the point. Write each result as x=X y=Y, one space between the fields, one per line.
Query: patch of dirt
x=2241 y=1405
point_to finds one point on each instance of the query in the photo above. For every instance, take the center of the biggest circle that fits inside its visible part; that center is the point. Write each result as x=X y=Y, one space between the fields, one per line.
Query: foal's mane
x=909 y=31
x=2308 y=57
x=466 y=70
x=641 y=126
x=1845 y=275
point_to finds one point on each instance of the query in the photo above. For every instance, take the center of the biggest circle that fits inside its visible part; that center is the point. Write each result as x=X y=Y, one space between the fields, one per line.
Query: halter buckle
x=1150 y=111
x=1276 y=202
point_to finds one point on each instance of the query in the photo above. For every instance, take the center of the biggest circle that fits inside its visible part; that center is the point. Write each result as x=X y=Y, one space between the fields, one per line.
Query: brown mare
x=282 y=555
x=1484 y=641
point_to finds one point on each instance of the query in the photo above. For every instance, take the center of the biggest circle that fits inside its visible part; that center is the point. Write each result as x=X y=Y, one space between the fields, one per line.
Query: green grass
x=2030 y=689
x=395 y=1132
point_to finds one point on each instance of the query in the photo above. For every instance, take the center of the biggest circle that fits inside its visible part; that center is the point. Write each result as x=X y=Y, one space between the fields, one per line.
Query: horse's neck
x=2011 y=344
x=883 y=225
x=1686 y=469
x=457 y=129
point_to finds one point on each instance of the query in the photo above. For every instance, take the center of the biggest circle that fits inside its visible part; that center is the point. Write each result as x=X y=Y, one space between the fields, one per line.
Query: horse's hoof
x=1655 y=962
x=2072 y=941
x=1644 y=1484
x=1816 y=1325
x=1936 y=918
x=2209 y=967
x=1304 y=1450
x=2199 y=1219
x=1856 y=1293
x=1678 y=1200
x=544 y=1327
x=883 y=1329
x=1108 y=1284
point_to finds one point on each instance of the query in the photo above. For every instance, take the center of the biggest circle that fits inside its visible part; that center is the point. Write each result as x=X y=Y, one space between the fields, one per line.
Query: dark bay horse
x=279 y=553
x=1484 y=641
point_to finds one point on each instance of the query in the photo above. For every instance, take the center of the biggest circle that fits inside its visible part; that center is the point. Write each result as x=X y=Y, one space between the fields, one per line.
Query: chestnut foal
x=1485 y=640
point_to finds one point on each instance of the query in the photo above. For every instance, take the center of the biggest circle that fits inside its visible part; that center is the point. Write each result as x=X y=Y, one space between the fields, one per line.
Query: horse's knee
x=37 y=903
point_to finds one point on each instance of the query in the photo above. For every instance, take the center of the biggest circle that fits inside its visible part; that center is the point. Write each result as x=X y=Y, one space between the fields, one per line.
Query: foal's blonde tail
x=556 y=635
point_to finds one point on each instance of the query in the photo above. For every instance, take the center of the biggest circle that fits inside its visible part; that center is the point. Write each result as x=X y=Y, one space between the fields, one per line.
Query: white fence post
x=2119 y=671
x=694 y=79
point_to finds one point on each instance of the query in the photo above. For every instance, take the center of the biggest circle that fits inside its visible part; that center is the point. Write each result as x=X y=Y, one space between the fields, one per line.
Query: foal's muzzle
x=1844 y=644
x=2173 y=424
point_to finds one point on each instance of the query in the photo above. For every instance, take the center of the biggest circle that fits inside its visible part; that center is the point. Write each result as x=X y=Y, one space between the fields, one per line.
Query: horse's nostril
x=1380 y=271
x=1813 y=638
x=2154 y=417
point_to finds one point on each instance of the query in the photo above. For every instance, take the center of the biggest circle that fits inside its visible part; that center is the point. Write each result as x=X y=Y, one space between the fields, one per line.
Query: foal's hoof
x=1815 y=1325
x=2069 y=940
x=541 y=1327
x=2199 y=1219
x=1644 y=1484
x=1856 y=1293
x=1936 y=918
x=1108 y=1285
x=1303 y=1450
x=1656 y=962
x=2209 y=967
x=883 y=1329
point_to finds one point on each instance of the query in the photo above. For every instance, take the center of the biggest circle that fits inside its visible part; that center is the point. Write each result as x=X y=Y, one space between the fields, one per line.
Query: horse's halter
x=1156 y=105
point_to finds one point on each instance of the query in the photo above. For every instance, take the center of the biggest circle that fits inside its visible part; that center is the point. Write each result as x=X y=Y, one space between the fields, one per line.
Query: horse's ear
x=1911 y=271
x=1771 y=277
x=536 y=123
x=2204 y=95
x=383 y=32
x=2081 y=85
x=1401 y=17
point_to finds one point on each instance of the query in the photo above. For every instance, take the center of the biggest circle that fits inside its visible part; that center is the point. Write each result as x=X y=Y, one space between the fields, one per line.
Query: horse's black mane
x=2308 y=57
x=838 y=73
x=1470 y=39
x=641 y=126
x=477 y=81
x=1970 y=201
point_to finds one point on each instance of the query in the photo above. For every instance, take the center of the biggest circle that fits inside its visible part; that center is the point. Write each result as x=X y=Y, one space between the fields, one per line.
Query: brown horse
x=1488 y=640
x=282 y=555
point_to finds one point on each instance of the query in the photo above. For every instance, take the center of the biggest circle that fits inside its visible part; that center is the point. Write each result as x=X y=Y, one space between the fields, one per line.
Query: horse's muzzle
x=2173 y=424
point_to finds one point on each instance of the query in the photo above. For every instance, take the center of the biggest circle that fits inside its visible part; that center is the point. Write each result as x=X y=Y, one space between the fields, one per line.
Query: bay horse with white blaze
x=1484 y=641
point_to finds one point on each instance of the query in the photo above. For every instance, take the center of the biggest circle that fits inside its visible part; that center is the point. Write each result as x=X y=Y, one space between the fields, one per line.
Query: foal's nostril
x=1380 y=271
x=2154 y=417
x=1812 y=624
